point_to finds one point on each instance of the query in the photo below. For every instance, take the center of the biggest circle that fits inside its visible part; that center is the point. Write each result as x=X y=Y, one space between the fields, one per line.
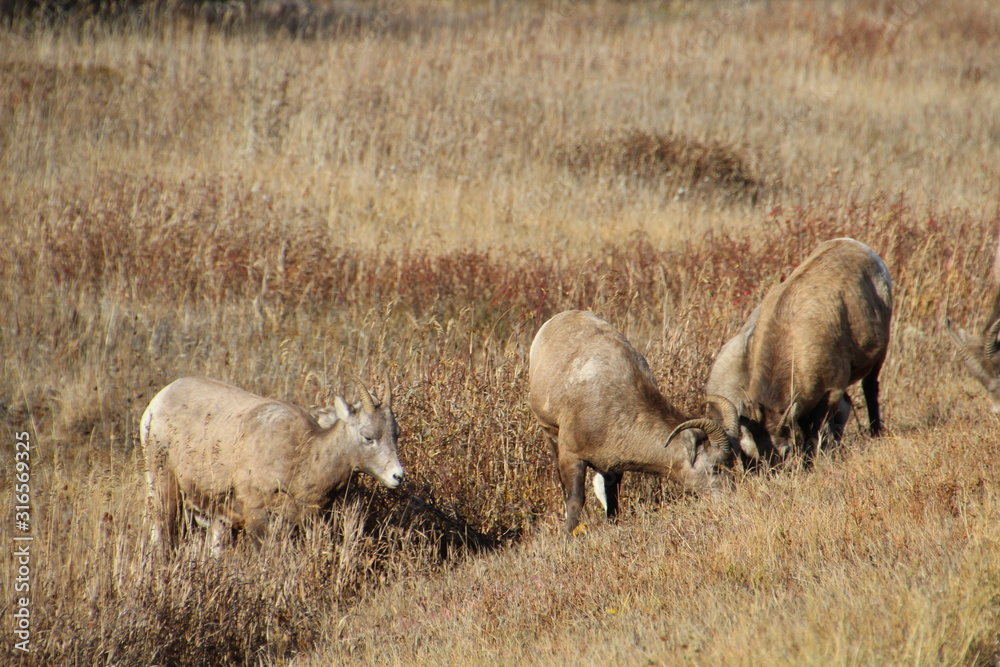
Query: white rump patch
x=602 y=497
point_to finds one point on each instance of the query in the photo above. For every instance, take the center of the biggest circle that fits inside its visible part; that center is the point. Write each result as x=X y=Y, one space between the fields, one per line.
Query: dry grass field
x=416 y=190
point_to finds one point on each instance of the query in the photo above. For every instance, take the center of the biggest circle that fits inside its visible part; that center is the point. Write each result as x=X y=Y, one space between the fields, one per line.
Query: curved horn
x=730 y=415
x=387 y=398
x=991 y=344
x=789 y=420
x=791 y=413
x=366 y=398
x=955 y=337
x=716 y=435
x=973 y=363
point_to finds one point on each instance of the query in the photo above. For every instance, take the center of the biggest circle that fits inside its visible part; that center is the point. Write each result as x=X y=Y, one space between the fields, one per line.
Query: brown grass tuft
x=857 y=38
x=674 y=164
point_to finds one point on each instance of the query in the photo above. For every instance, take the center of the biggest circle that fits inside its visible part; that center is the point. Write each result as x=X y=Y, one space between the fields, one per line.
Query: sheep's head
x=980 y=356
x=782 y=434
x=373 y=431
x=754 y=443
x=709 y=444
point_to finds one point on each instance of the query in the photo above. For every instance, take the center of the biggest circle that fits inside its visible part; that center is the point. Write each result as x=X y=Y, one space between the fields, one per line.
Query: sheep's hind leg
x=870 y=387
x=164 y=506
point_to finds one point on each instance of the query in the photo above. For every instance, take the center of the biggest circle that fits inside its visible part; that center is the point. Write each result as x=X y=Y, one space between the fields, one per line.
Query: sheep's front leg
x=164 y=505
x=573 y=476
x=819 y=426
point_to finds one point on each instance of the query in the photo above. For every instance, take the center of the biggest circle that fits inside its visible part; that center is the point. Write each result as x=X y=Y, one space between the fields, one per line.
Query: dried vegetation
x=199 y=201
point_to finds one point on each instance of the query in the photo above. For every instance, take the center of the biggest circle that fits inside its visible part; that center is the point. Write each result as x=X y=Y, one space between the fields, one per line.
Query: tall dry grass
x=274 y=212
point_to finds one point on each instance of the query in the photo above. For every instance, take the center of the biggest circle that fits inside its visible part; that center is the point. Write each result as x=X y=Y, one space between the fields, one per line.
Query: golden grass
x=881 y=556
x=419 y=195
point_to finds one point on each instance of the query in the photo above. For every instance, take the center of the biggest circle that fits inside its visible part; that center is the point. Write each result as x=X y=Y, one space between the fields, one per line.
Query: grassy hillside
x=417 y=195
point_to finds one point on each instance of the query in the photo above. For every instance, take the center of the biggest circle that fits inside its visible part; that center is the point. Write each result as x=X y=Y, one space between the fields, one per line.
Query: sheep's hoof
x=581 y=529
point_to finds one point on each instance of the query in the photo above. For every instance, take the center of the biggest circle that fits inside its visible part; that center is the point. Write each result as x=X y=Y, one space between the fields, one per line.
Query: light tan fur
x=595 y=397
x=240 y=460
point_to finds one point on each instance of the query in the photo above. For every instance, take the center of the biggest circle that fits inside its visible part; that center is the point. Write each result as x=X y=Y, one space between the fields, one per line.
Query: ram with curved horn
x=240 y=461
x=730 y=378
x=979 y=352
x=817 y=333
x=595 y=397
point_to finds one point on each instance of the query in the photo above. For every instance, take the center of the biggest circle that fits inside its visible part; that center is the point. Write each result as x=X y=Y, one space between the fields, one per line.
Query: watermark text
x=22 y=542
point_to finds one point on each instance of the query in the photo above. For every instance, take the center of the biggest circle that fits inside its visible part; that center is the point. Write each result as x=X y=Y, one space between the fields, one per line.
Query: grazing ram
x=238 y=459
x=595 y=397
x=979 y=352
x=730 y=378
x=820 y=331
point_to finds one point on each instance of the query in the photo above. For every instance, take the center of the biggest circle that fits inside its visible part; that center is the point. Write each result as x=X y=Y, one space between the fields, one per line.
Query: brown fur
x=823 y=329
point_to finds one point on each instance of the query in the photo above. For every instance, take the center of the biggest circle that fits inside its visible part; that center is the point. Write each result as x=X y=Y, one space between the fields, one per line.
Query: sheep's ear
x=325 y=418
x=343 y=409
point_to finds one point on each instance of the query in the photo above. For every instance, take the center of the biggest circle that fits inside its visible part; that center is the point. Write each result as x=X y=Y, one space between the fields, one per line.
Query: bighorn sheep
x=238 y=459
x=598 y=402
x=817 y=333
x=730 y=378
x=979 y=352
